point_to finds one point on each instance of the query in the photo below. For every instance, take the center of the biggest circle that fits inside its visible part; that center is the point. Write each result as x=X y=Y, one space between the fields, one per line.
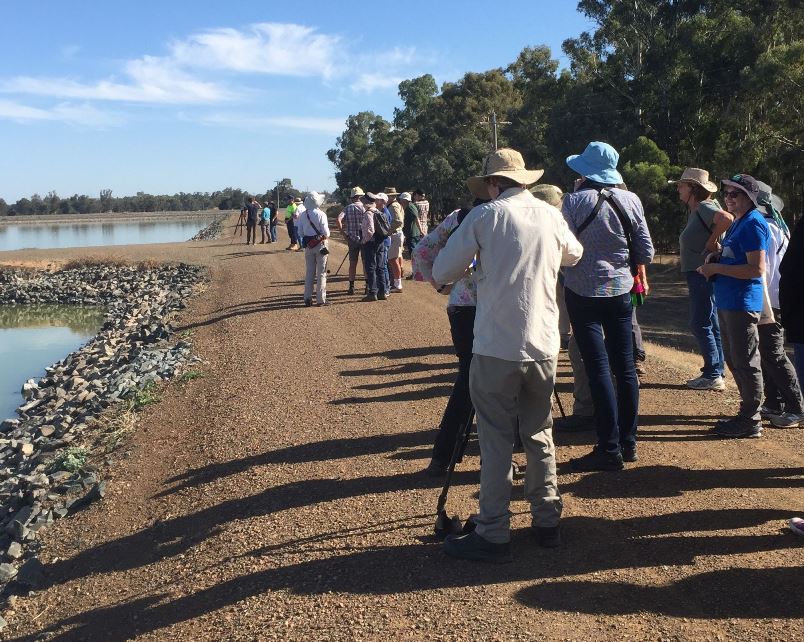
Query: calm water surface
x=42 y=235
x=33 y=337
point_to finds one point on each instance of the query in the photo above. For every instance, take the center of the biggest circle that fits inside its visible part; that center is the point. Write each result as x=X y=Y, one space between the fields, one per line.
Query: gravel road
x=280 y=495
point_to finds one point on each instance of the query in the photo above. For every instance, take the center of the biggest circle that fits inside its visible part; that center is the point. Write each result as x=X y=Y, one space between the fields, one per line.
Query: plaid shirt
x=352 y=217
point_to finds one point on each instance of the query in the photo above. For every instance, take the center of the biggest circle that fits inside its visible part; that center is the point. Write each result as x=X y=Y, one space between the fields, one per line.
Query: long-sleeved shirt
x=398 y=215
x=520 y=243
x=367 y=225
x=316 y=216
x=604 y=270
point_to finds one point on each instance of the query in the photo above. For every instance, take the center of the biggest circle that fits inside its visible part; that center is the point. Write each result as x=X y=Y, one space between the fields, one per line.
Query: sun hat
x=597 y=163
x=404 y=196
x=504 y=162
x=390 y=191
x=745 y=183
x=313 y=200
x=548 y=193
x=379 y=196
x=766 y=197
x=357 y=191
x=698 y=177
x=297 y=200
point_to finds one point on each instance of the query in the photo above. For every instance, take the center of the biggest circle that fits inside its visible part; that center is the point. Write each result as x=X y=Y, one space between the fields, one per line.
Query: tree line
x=714 y=84
x=227 y=199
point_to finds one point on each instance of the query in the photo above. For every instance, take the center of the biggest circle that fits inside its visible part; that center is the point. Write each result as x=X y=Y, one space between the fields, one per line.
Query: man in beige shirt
x=520 y=243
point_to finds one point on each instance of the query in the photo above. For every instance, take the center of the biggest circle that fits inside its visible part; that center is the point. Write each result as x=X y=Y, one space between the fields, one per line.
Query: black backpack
x=382 y=228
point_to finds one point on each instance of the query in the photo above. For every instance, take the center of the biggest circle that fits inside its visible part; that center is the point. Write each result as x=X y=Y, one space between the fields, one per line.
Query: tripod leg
x=342 y=262
x=461 y=440
x=560 y=405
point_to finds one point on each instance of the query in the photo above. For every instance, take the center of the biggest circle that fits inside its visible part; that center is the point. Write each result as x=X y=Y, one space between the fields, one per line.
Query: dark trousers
x=251 y=232
x=459 y=406
x=291 y=231
x=603 y=332
x=273 y=231
x=373 y=268
x=781 y=386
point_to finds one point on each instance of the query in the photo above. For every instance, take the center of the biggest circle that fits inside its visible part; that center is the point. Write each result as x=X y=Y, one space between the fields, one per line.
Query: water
x=33 y=337
x=57 y=235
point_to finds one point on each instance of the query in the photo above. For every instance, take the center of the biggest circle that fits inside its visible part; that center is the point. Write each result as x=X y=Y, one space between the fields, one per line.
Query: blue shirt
x=748 y=234
x=604 y=270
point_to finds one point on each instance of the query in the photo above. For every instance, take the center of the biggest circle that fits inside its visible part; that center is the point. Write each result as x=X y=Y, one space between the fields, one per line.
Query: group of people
x=265 y=215
x=500 y=262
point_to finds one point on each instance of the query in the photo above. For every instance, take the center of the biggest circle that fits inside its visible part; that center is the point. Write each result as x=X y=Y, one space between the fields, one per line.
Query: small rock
x=31 y=573
x=14 y=551
x=7 y=572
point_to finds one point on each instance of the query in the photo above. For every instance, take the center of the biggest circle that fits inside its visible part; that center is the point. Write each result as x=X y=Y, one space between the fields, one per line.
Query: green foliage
x=72 y=459
x=144 y=397
x=189 y=375
x=715 y=84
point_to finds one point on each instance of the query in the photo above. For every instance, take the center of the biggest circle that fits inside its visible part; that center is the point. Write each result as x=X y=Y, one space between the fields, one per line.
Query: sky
x=181 y=96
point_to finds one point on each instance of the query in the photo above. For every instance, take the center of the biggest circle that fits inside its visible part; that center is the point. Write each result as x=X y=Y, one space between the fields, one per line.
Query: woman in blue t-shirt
x=738 y=271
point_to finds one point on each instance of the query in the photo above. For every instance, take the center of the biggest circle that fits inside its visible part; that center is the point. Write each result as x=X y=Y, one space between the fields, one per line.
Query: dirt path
x=280 y=496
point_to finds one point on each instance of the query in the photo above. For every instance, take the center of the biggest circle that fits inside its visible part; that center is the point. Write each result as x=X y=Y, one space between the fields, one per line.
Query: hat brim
x=751 y=197
x=607 y=176
x=709 y=186
x=477 y=184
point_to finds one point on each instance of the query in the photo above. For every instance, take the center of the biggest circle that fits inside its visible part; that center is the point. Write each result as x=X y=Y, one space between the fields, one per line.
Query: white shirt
x=521 y=242
x=777 y=246
x=318 y=217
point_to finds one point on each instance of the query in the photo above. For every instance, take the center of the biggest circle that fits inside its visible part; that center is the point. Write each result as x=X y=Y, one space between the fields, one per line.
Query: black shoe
x=574 y=423
x=473 y=547
x=308 y=302
x=629 y=453
x=436 y=468
x=597 y=460
x=735 y=428
x=382 y=296
x=351 y=290
x=370 y=297
x=547 y=536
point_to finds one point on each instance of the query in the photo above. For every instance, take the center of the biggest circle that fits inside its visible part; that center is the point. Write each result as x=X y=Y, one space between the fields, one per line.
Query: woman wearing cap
x=706 y=223
x=739 y=269
x=597 y=291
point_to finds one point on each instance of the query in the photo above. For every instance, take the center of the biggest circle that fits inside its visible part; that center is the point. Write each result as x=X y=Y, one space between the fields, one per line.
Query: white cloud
x=367 y=83
x=266 y=48
x=314 y=124
x=86 y=115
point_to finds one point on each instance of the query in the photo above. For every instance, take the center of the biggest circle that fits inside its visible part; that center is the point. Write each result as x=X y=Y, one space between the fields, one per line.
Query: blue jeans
x=602 y=328
x=383 y=261
x=373 y=264
x=273 y=231
x=704 y=324
x=798 y=362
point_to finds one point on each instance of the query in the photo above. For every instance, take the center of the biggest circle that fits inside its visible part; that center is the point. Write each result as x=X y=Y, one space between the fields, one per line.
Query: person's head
x=391 y=193
x=313 y=200
x=356 y=194
x=767 y=201
x=380 y=199
x=694 y=187
x=550 y=194
x=253 y=199
x=404 y=198
x=418 y=195
x=740 y=194
x=598 y=163
x=502 y=169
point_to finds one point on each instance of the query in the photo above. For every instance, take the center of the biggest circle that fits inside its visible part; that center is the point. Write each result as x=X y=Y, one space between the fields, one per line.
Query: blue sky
x=188 y=96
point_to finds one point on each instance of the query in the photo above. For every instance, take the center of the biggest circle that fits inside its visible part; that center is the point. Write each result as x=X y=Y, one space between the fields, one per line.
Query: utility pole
x=276 y=189
x=494 y=122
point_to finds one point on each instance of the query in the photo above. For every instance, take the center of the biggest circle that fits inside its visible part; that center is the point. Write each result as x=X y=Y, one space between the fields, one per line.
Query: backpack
x=382 y=228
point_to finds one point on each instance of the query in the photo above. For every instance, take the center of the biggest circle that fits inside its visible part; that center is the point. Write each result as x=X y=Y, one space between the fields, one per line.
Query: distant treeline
x=715 y=84
x=226 y=199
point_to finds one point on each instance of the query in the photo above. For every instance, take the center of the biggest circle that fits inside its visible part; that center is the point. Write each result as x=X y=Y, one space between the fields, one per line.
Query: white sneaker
x=705 y=383
x=787 y=420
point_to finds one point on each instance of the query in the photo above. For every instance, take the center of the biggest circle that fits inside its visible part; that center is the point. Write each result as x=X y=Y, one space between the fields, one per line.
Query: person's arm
x=324 y=225
x=451 y=262
x=571 y=248
x=427 y=249
x=642 y=272
x=721 y=222
x=340 y=220
x=643 y=245
x=753 y=269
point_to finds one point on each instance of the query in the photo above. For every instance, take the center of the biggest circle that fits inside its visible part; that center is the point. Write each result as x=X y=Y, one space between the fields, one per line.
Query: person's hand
x=709 y=269
x=712 y=247
x=712 y=257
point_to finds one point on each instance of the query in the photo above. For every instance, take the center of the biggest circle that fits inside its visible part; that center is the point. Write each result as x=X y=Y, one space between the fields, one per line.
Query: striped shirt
x=352 y=217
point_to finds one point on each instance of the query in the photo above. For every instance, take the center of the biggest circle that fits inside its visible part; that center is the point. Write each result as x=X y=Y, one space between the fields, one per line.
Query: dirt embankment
x=280 y=496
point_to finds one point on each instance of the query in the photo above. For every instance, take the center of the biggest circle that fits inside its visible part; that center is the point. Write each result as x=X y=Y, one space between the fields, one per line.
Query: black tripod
x=241 y=223
x=444 y=525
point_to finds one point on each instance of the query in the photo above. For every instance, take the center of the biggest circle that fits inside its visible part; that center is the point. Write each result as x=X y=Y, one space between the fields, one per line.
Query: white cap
x=404 y=196
x=379 y=196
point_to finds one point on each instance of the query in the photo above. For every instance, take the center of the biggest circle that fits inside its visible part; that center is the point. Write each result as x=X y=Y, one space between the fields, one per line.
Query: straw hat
x=390 y=191
x=548 y=193
x=698 y=177
x=357 y=191
x=505 y=162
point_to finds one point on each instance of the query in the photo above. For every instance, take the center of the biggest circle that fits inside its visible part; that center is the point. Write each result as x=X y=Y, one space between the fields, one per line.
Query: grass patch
x=72 y=459
x=189 y=375
x=144 y=397
x=119 y=428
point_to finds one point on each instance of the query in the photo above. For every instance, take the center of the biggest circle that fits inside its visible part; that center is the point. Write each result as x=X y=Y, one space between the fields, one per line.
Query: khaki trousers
x=511 y=396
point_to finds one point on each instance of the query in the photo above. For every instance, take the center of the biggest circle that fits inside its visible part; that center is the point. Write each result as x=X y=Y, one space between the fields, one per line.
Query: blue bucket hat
x=598 y=163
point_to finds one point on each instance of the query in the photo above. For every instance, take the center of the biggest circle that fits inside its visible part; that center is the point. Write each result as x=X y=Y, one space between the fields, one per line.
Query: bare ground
x=280 y=496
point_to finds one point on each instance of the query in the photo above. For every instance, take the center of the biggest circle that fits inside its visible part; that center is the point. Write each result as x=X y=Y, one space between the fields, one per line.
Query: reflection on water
x=56 y=235
x=33 y=337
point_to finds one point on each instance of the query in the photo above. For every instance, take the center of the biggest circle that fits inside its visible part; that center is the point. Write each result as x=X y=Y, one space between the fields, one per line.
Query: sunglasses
x=732 y=193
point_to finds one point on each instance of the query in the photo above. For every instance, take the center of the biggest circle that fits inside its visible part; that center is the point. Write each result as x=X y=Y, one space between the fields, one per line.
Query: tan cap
x=357 y=191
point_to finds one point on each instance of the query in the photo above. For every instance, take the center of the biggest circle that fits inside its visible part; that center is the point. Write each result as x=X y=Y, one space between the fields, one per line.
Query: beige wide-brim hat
x=505 y=162
x=550 y=194
x=357 y=191
x=698 y=177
